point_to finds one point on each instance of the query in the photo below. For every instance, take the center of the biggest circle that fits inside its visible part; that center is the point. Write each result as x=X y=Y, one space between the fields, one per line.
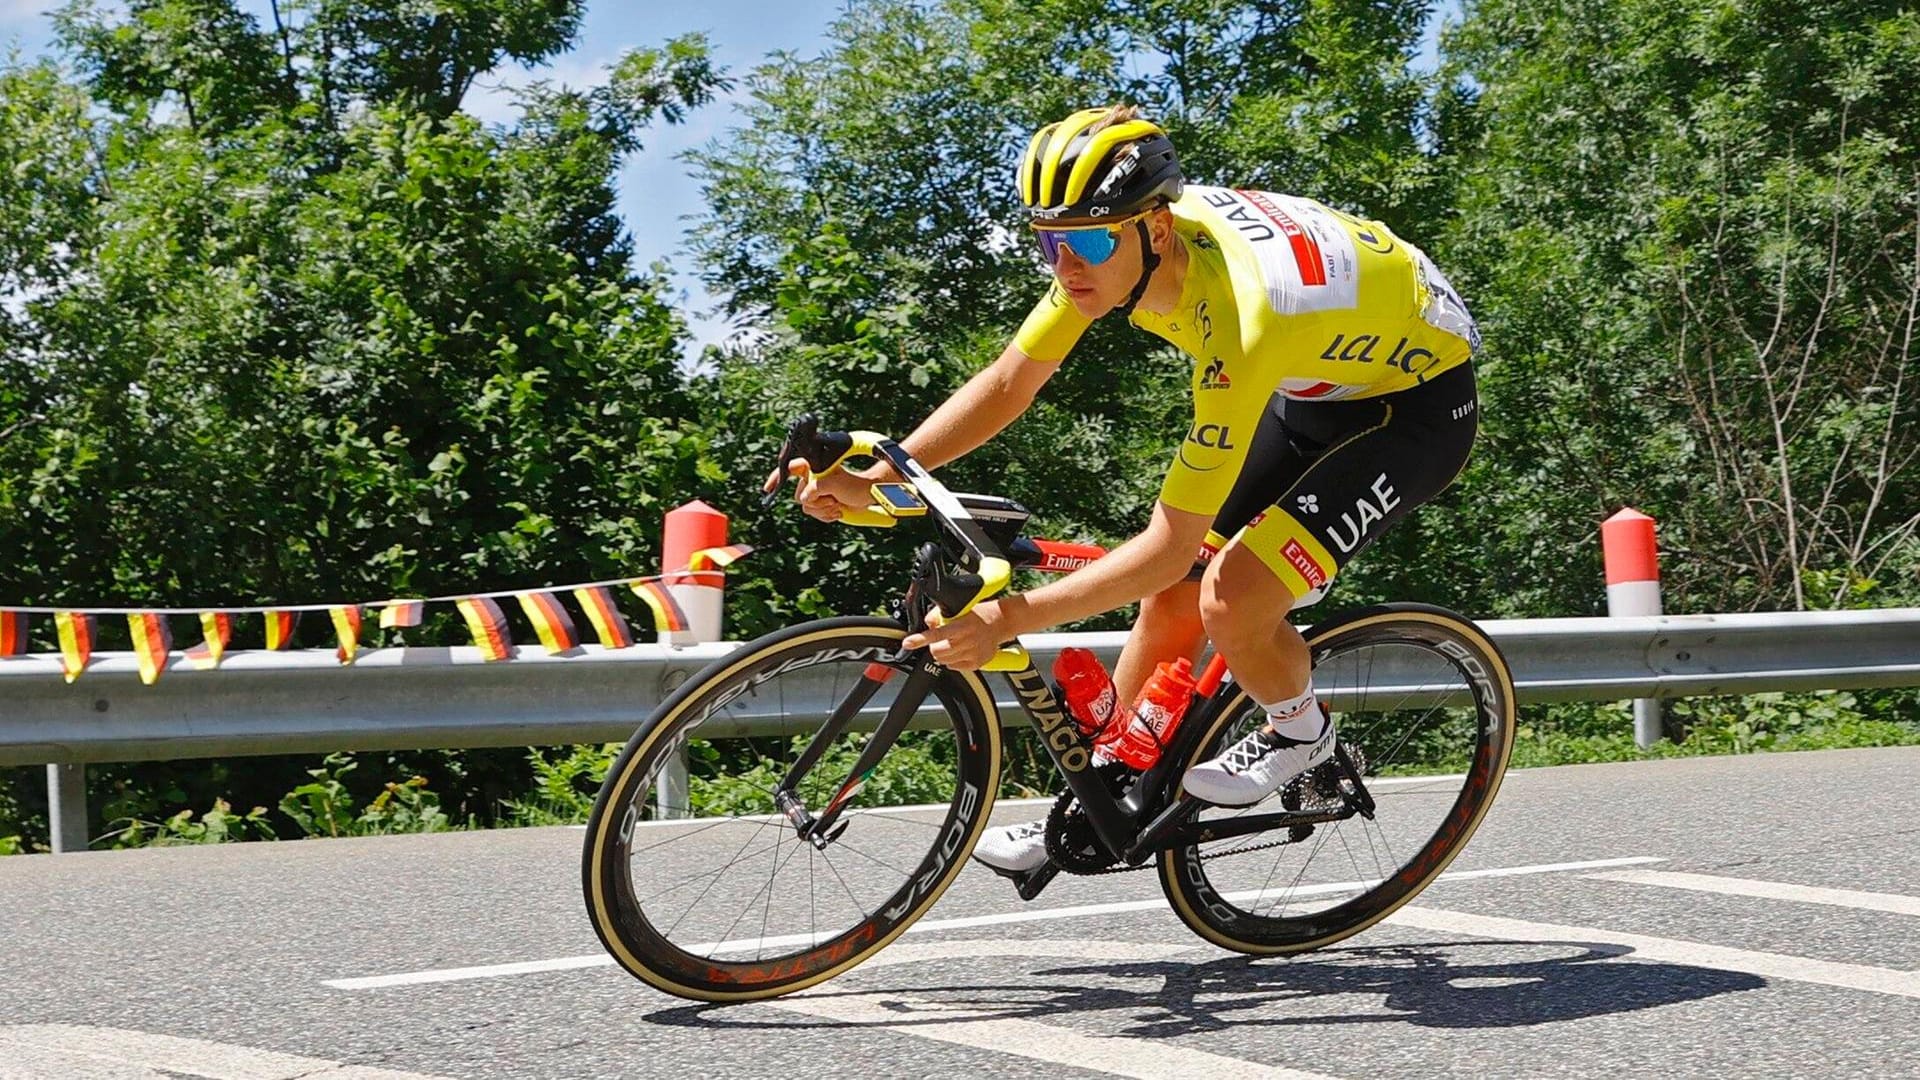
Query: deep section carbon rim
x=1423 y=700
x=721 y=899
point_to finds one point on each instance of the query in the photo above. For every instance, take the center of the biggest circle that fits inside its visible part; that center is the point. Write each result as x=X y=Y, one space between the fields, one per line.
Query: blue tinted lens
x=1095 y=245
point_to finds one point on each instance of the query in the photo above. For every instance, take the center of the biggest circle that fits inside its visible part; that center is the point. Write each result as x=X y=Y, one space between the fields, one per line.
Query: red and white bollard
x=1632 y=558
x=689 y=528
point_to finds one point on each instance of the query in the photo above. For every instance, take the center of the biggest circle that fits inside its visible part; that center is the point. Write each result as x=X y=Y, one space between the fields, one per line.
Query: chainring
x=1072 y=843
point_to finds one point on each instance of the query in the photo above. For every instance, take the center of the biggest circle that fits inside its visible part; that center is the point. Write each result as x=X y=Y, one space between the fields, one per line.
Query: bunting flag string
x=667 y=614
x=489 y=626
x=400 y=613
x=13 y=633
x=298 y=608
x=608 y=624
x=76 y=641
x=280 y=628
x=346 y=626
x=152 y=641
x=216 y=631
x=550 y=621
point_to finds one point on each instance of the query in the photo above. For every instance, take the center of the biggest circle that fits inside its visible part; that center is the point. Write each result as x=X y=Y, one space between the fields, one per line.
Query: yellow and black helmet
x=1074 y=173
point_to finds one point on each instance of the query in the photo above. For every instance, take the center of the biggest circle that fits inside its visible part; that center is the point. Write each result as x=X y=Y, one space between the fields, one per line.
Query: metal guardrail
x=277 y=703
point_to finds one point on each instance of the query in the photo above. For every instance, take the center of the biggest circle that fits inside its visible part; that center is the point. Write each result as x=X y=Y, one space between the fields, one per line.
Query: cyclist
x=1333 y=392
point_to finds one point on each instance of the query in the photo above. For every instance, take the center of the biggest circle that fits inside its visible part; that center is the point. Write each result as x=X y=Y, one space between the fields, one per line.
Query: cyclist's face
x=1095 y=289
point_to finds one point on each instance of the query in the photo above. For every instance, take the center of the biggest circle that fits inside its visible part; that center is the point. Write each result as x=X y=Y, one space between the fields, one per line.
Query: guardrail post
x=67 y=807
x=1632 y=558
x=690 y=528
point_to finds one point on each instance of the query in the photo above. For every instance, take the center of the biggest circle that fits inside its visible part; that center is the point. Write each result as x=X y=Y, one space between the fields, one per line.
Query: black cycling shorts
x=1323 y=479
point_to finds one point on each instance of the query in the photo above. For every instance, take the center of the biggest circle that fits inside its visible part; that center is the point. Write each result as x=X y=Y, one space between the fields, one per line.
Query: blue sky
x=656 y=193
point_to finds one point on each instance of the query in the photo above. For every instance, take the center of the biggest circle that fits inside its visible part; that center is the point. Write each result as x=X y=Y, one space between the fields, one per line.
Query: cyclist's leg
x=1167 y=627
x=1411 y=447
x=1169 y=624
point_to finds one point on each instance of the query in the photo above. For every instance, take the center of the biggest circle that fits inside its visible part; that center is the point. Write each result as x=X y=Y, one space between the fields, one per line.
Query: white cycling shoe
x=1257 y=766
x=1014 y=849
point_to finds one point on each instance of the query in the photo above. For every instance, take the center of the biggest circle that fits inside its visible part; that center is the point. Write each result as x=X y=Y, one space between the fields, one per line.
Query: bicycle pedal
x=1029 y=883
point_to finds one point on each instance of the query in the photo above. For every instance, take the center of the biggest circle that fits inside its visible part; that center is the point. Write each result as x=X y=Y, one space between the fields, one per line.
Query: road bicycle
x=801 y=864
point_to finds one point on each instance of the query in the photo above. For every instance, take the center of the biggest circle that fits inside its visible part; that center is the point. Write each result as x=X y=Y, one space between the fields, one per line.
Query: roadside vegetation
x=282 y=321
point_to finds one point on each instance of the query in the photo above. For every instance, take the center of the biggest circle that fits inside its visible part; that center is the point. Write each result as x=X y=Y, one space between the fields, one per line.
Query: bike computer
x=899 y=499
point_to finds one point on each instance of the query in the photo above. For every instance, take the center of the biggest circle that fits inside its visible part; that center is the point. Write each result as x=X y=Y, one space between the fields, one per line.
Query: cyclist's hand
x=970 y=640
x=825 y=497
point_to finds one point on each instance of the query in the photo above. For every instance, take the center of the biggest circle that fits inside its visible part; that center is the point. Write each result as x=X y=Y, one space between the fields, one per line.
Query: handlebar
x=954 y=593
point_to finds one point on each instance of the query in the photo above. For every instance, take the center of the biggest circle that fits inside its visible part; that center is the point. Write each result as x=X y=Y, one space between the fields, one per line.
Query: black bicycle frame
x=1116 y=822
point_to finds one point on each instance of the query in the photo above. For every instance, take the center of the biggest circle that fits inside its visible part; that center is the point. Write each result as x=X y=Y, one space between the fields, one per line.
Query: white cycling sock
x=1296 y=717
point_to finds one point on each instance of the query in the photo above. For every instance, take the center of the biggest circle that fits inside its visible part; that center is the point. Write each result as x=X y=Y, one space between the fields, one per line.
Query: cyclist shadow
x=1424 y=984
x=1435 y=985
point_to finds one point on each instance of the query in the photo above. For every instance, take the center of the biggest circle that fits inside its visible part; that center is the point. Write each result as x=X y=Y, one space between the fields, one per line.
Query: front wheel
x=1423 y=704
x=724 y=900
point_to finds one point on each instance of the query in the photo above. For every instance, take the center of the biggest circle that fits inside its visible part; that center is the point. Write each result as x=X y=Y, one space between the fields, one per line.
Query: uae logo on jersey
x=1215 y=376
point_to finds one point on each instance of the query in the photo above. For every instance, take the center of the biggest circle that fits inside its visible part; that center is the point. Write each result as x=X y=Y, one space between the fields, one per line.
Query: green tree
x=285 y=324
x=862 y=221
x=1690 y=233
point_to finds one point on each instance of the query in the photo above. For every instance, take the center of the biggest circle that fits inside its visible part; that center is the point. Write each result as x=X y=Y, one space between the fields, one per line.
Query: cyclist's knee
x=1241 y=598
x=1175 y=606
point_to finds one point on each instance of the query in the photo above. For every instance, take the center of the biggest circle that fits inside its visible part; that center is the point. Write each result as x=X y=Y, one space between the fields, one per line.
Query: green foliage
x=862 y=218
x=282 y=322
x=1826 y=720
x=564 y=786
x=918 y=769
x=1689 y=232
x=325 y=807
x=11 y=845
x=219 y=825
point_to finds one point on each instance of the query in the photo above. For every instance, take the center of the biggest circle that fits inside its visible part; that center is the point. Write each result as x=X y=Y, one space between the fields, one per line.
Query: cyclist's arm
x=1156 y=559
x=992 y=399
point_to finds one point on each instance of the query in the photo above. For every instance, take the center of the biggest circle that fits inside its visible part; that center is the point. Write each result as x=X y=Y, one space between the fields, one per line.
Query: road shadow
x=1449 y=985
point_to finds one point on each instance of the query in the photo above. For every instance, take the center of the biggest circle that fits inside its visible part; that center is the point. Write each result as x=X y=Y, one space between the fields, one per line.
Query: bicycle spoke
x=1411 y=710
x=705 y=905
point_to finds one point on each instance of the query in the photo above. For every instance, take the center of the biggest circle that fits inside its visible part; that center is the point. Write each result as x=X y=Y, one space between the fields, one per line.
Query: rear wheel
x=735 y=904
x=1423 y=704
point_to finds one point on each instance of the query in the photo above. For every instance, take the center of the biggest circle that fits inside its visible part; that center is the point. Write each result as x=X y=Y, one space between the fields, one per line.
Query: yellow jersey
x=1282 y=295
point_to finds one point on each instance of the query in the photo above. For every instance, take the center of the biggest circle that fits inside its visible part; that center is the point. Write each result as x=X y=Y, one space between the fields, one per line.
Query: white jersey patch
x=1304 y=253
x=1444 y=309
x=1297 y=389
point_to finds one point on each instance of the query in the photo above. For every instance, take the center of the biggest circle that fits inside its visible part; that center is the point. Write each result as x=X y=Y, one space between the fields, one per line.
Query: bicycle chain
x=1312 y=785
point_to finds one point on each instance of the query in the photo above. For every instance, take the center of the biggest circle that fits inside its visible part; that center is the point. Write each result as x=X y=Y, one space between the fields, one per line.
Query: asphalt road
x=1765 y=926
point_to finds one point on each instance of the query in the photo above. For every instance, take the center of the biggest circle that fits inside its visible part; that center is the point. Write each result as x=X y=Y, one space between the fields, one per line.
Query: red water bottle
x=1156 y=715
x=1086 y=687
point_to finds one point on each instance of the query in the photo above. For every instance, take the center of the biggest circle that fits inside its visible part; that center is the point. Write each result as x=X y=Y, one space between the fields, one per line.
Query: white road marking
x=568 y=963
x=1149 y=1059
x=1894 y=903
x=1692 y=953
x=74 y=1051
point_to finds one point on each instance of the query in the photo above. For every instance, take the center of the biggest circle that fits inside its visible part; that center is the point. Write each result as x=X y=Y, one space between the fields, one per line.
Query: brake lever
x=801 y=436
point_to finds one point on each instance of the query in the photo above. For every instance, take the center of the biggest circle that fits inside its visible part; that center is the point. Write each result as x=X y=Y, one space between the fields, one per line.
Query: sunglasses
x=1094 y=244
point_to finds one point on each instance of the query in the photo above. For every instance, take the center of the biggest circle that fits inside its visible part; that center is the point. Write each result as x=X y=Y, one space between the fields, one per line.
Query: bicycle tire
x=1212 y=911
x=609 y=870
